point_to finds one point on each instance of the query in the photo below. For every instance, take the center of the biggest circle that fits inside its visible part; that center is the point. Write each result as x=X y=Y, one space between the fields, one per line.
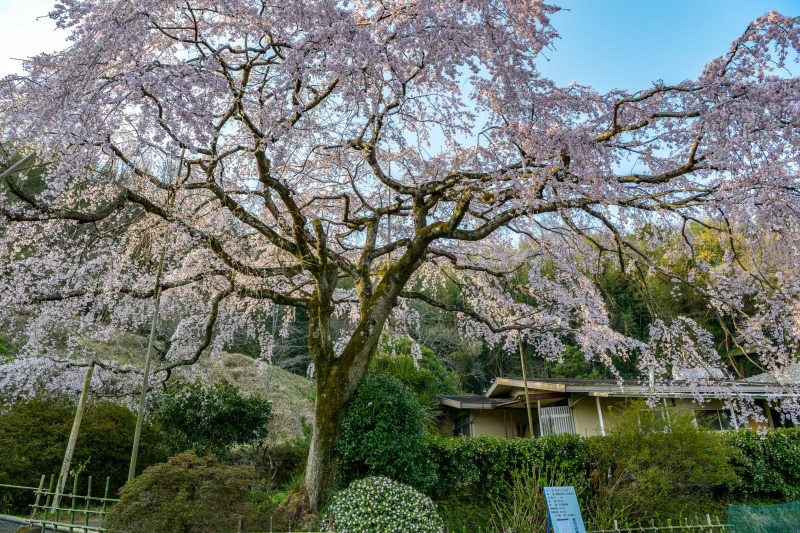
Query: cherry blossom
x=281 y=152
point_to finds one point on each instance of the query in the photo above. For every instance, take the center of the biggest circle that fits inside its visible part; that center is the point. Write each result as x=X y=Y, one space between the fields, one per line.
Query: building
x=583 y=406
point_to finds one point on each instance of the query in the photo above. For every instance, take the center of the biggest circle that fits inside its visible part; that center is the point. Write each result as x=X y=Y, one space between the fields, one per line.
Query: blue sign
x=563 y=510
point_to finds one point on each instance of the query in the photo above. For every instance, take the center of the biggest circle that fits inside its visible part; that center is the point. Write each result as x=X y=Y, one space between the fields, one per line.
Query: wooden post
x=103 y=508
x=38 y=496
x=72 y=504
x=49 y=496
x=330 y=522
x=88 y=500
x=73 y=437
x=525 y=380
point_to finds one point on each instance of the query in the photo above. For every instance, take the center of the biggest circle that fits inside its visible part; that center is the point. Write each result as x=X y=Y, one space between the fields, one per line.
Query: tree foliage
x=211 y=419
x=416 y=367
x=34 y=435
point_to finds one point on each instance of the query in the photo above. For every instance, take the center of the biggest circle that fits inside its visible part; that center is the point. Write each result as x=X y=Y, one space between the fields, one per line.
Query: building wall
x=586 y=416
x=584 y=412
x=490 y=422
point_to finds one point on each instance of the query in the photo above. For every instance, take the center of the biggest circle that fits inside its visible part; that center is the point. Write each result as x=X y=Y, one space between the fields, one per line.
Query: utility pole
x=525 y=379
x=19 y=164
x=146 y=378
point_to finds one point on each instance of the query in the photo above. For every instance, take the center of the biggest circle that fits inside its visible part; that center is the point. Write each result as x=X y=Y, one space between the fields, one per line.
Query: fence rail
x=684 y=525
x=84 y=513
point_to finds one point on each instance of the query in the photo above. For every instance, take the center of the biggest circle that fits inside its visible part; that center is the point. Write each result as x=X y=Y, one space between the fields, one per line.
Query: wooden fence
x=67 y=512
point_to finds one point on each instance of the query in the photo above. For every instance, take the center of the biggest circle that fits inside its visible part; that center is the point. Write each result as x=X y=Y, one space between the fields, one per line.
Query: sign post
x=563 y=511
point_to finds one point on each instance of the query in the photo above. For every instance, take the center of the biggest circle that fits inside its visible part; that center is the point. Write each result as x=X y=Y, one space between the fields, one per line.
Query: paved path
x=8 y=527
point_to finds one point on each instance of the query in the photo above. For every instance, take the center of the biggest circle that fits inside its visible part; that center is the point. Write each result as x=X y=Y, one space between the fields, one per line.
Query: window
x=779 y=420
x=717 y=419
x=461 y=426
x=654 y=420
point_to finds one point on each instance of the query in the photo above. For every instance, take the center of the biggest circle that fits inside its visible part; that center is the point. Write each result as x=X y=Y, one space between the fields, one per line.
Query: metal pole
x=525 y=379
x=73 y=436
x=146 y=378
x=600 y=415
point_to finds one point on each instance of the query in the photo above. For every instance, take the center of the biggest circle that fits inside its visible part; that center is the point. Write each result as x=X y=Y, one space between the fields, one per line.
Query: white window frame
x=732 y=426
x=462 y=422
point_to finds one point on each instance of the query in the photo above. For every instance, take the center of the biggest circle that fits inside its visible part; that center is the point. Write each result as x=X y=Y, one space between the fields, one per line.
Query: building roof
x=790 y=374
x=504 y=391
x=470 y=401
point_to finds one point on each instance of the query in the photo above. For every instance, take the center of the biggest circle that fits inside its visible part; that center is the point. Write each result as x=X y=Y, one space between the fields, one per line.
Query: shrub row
x=485 y=462
x=766 y=464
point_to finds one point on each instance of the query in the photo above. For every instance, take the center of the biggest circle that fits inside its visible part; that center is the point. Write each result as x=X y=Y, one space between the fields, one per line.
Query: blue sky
x=605 y=43
x=629 y=44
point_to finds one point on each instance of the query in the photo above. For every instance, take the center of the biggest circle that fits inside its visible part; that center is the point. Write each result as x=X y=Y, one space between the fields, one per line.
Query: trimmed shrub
x=186 y=494
x=380 y=504
x=486 y=462
x=767 y=464
x=211 y=419
x=382 y=435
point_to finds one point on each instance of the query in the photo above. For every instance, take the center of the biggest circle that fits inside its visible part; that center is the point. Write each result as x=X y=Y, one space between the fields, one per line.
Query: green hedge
x=485 y=462
x=767 y=464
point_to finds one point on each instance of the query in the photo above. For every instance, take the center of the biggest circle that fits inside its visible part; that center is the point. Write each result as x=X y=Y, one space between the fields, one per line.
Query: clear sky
x=625 y=44
x=605 y=43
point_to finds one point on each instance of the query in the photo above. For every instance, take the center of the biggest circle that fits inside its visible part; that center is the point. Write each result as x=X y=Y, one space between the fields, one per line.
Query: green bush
x=767 y=464
x=186 y=494
x=275 y=463
x=34 y=435
x=485 y=462
x=656 y=463
x=211 y=419
x=426 y=377
x=380 y=504
x=382 y=435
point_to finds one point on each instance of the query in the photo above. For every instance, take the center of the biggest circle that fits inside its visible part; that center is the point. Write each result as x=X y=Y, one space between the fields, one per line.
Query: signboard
x=563 y=510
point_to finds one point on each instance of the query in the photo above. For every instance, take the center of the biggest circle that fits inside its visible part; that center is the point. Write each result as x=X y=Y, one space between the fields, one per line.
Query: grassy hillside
x=291 y=394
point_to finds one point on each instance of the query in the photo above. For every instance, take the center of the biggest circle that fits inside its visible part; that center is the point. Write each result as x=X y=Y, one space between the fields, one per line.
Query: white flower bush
x=377 y=504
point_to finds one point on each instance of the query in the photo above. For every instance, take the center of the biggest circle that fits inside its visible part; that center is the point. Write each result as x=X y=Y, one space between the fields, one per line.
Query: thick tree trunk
x=338 y=375
x=334 y=388
x=320 y=468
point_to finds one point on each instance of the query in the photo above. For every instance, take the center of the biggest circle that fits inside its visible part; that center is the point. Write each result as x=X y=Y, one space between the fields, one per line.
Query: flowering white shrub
x=379 y=504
